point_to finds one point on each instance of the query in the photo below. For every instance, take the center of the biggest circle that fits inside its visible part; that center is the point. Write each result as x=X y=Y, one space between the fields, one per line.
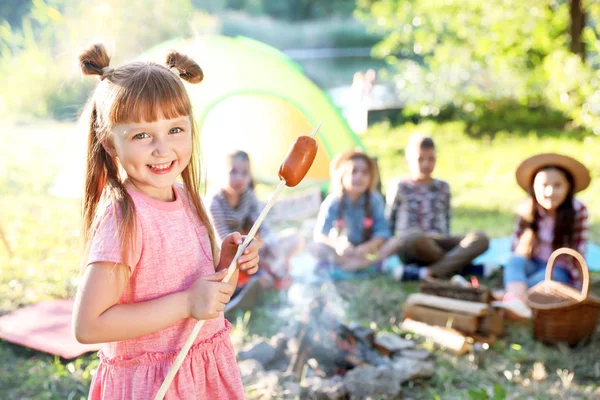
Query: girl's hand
x=362 y=251
x=208 y=296
x=248 y=261
x=344 y=248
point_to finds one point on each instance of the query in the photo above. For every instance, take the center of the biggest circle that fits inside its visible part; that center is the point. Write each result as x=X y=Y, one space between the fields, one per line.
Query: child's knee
x=482 y=240
x=477 y=240
x=426 y=249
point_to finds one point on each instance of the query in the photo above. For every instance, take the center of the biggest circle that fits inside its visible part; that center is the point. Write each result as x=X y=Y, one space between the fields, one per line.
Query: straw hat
x=341 y=158
x=527 y=169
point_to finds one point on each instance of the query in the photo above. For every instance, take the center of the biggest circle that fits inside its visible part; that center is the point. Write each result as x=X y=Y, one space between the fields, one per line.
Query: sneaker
x=411 y=272
x=460 y=281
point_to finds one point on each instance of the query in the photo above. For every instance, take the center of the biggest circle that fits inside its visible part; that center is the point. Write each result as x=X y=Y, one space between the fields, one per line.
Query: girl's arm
x=98 y=318
x=370 y=246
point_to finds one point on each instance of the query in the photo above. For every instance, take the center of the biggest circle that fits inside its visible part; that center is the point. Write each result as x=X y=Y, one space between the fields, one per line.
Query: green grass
x=44 y=235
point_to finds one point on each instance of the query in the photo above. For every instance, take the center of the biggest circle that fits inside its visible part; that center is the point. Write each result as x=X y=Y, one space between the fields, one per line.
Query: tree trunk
x=577 y=15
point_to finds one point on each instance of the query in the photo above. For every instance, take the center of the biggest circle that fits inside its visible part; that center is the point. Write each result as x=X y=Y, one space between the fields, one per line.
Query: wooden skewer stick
x=230 y=270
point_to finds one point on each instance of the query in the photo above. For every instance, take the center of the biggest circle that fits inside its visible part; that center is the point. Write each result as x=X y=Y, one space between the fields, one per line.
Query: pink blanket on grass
x=44 y=326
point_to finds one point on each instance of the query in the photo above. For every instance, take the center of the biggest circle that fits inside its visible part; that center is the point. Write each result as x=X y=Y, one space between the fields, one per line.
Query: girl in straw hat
x=351 y=225
x=549 y=219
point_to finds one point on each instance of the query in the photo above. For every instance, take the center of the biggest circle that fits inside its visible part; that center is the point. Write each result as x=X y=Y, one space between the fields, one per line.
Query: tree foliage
x=477 y=54
x=291 y=10
x=38 y=56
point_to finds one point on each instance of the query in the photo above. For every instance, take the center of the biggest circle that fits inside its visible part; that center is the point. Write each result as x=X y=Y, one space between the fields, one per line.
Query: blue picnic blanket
x=499 y=252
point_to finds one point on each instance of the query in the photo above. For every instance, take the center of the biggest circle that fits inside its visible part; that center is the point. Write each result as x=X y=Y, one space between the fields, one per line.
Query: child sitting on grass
x=419 y=214
x=549 y=219
x=351 y=224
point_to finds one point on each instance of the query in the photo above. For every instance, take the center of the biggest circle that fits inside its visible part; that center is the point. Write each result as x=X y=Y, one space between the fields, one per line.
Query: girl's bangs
x=152 y=94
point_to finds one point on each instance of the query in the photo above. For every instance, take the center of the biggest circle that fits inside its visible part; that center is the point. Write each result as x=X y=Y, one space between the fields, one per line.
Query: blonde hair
x=134 y=92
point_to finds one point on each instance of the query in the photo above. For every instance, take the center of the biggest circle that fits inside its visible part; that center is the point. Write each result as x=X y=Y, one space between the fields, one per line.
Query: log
x=444 y=303
x=448 y=289
x=493 y=323
x=432 y=316
x=448 y=338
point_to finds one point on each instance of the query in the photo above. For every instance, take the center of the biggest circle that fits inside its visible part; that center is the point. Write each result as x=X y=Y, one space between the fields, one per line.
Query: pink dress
x=172 y=250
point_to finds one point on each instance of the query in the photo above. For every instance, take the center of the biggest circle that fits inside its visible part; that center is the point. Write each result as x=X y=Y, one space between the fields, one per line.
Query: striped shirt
x=545 y=236
x=413 y=204
x=228 y=219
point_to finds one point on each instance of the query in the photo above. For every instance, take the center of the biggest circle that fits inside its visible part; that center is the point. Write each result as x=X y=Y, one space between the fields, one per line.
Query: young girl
x=549 y=219
x=235 y=208
x=153 y=267
x=351 y=226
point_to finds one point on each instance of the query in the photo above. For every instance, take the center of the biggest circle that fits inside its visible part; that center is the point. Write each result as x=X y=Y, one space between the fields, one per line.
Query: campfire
x=319 y=356
x=332 y=347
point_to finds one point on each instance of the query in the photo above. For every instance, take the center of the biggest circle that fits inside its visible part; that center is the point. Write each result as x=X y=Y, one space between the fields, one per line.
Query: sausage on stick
x=293 y=169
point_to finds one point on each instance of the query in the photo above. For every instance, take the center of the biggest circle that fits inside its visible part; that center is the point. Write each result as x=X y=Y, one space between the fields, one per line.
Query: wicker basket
x=560 y=312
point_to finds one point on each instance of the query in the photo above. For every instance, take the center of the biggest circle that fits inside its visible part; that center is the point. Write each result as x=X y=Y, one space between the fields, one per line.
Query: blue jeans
x=532 y=271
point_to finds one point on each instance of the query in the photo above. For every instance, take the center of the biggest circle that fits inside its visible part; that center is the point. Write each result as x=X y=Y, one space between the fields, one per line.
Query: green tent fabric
x=263 y=101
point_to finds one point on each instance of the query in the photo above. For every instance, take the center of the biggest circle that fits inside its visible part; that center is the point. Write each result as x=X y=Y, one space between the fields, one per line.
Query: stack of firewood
x=453 y=315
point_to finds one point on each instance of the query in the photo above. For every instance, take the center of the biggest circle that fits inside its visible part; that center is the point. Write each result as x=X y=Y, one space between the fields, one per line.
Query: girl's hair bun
x=95 y=61
x=187 y=68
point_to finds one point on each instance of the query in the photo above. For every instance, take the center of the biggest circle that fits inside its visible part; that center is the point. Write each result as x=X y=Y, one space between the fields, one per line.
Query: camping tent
x=256 y=99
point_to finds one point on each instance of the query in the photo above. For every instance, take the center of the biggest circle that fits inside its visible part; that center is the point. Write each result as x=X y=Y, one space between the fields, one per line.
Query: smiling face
x=356 y=177
x=239 y=175
x=551 y=187
x=153 y=154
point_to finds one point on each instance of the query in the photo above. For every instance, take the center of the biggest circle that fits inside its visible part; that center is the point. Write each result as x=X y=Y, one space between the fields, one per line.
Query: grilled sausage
x=298 y=160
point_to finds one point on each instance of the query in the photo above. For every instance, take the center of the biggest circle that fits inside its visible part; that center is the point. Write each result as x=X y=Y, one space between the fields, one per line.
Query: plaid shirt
x=545 y=236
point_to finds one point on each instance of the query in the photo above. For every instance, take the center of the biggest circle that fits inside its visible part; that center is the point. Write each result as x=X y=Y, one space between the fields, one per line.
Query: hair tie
x=106 y=71
x=175 y=70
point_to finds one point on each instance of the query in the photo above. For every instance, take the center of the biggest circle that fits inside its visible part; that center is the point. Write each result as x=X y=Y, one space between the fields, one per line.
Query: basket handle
x=585 y=272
